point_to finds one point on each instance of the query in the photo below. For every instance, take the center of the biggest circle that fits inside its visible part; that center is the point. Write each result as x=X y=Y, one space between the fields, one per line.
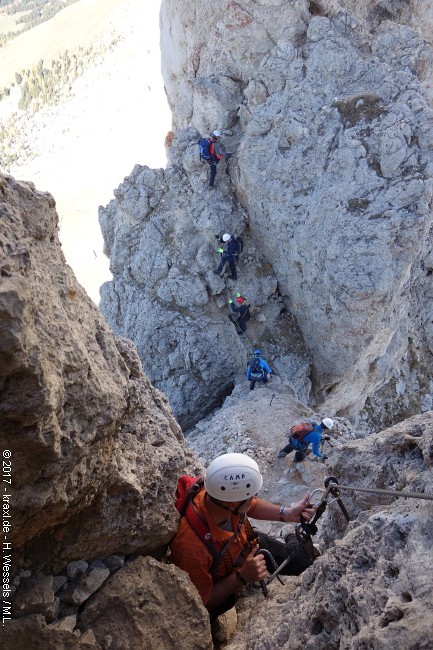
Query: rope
x=392 y=493
x=274 y=567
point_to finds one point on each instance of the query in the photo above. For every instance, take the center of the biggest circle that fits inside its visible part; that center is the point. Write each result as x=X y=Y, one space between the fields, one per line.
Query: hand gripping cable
x=306 y=529
x=272 y=563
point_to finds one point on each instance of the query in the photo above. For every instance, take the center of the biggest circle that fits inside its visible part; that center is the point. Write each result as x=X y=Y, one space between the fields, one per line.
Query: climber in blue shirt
x=313 y=438
x=257 y=369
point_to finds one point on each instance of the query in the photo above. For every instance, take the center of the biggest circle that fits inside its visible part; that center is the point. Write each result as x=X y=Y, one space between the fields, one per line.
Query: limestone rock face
x=326 y=106
x=166 y=297
x=95 y=450
x=18 y=633
x=147 y=604
x=372 y=585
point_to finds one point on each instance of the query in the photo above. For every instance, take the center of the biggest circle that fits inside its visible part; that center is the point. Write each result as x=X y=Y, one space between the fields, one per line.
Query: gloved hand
x=220 y=250
x=230 y=302
x=326 y=437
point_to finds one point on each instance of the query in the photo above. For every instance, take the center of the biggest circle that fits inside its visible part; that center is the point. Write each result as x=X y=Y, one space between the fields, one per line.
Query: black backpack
x=245 y=312
x=255 y=367
x=240 y=243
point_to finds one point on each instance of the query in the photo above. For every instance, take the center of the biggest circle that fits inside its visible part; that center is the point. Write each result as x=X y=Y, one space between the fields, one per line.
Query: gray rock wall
x=352 y=165
x=160 y=232
x=326 y=105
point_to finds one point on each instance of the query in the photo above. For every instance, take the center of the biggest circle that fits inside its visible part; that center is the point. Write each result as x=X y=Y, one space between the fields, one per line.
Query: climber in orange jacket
x=223 y=559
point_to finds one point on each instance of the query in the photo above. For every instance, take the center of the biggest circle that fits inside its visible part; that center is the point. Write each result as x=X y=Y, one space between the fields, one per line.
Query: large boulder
x=147 y=604
x=94 y=450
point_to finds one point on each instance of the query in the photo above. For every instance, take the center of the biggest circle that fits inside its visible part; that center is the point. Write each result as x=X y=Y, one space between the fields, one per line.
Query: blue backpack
x=204 y=145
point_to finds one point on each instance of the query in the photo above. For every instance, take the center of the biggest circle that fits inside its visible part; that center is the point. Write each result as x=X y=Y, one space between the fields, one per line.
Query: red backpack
x=187 y=488
x=298 y=431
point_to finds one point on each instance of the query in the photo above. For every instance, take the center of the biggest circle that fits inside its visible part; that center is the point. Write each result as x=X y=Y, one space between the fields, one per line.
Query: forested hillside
x=30 y=13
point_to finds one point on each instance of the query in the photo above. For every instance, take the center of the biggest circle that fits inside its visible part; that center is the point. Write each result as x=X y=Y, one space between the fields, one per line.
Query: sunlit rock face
x=326 y=106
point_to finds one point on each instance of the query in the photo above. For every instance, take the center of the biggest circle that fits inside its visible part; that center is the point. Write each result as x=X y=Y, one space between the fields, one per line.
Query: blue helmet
x=257 y=353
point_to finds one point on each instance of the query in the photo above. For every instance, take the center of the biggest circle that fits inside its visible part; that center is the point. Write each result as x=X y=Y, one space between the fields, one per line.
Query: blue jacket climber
x=257 y=369
x=314 y=438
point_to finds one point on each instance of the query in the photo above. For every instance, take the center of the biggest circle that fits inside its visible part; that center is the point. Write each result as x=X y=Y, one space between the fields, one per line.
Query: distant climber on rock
x=237 y=239
x=304 y=434
x=229 y=249
x=241 y=312
x=257 y=369
x=212 y=152
x=215 y=542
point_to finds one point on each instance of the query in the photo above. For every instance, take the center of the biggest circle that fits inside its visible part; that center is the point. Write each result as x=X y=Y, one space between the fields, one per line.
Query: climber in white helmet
x=230 y=247
x=215 y=154
x=304 y=434
x=216 y=544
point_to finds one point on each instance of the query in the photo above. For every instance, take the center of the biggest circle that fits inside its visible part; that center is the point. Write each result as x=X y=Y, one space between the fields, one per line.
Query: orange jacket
x=190 y=554
x=215 y=150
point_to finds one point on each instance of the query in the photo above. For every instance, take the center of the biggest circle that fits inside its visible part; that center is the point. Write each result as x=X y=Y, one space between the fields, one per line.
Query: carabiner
x=311 y=503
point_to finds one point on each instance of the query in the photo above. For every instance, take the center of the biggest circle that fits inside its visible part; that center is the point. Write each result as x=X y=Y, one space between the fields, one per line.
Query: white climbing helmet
x=216 y=134
x=233 y=477
x=328 y=423
x=226 y=236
